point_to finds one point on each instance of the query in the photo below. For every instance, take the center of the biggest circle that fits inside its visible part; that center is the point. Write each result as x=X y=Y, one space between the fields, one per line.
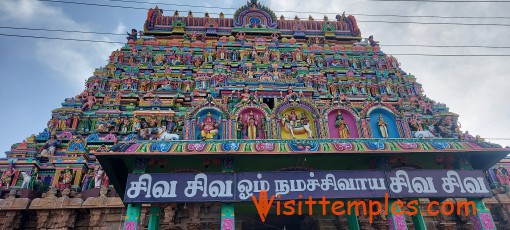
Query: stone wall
x=68 y=210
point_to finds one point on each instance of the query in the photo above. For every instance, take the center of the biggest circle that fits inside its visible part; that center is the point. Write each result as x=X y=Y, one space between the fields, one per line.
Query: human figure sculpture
x=208 y=127
x=295 y=124
x=251 y=127
x=26 y=179
x=89 y=101
x=7 y=177
x=85 y=183
x=503 y=179
x=343 y=129
x=245 y=95
x=34 y=176
x=50 y=146
x=382 y=127
x=133 y=35
x=98 y=176
x=240 y=127
x=372 y=42
x=66 y=178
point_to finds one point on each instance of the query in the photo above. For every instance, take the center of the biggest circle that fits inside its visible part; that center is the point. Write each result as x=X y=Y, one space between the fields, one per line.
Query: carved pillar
x=483 y=218
x=352 y=219
x=418 y=221
x=154 y=218
x=227 y=209
x=132 y=221
x=396 y=221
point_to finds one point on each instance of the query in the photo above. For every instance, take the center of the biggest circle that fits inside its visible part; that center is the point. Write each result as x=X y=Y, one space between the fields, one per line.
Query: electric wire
x=311 y=12
x=386 y=45
x=365 y=21
x=395 y=54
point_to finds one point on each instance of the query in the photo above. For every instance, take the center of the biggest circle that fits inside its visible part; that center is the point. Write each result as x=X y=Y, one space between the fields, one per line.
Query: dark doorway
x=269 y=102
x=274 y=222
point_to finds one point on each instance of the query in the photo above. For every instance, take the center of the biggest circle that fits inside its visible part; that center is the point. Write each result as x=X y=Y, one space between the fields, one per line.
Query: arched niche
x=349 y=119
x=389 y=119
x=301 y=121
x=251 y=123
x=210 y=117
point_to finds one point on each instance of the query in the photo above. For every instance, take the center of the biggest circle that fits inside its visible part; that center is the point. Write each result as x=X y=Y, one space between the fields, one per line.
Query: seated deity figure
x=343 y=129
x=208 y=127
x=7 y=177
x=66 y=179
x=382 y=127
x=50 y=146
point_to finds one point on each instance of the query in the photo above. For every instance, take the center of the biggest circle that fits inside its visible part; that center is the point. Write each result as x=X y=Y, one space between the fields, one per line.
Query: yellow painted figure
x=343 y=129
x=382 y=127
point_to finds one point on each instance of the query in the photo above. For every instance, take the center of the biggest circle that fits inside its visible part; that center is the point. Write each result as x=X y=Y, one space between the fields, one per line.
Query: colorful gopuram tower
x=194 y=116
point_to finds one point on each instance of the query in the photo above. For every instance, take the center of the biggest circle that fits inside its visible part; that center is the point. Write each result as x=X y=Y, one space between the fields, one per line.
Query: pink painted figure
x=89 y=99
x=7 y=177
x=208 y=127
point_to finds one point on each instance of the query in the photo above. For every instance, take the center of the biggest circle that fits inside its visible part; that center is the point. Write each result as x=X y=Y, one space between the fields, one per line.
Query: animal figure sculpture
x=296 y=130
x=164 y=136
x=26 y=180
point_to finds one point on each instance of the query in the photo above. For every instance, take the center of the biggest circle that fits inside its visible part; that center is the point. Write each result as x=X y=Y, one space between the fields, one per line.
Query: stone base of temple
x=67 y=210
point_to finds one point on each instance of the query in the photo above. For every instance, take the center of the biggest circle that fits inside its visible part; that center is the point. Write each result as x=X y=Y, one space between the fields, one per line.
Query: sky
x=37 y=74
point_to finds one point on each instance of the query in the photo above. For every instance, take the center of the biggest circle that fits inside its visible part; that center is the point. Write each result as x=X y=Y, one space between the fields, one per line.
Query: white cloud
x=473 y=87
x=72 y=62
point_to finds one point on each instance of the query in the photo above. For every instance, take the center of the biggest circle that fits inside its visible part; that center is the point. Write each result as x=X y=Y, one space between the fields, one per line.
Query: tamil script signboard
x=237 y=187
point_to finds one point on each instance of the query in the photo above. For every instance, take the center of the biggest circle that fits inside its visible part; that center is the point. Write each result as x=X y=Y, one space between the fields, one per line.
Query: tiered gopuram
x=253 y=96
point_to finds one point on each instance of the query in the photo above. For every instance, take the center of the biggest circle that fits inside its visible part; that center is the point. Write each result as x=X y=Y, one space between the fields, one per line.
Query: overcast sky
x=37 y=75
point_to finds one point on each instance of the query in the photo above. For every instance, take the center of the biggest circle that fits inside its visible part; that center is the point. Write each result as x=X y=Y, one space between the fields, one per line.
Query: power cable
x=391 y=22
x=55 y=38
x=389 y=45
x=395 y=54
x=439 y=1
x=58 y=30
x=327 y=13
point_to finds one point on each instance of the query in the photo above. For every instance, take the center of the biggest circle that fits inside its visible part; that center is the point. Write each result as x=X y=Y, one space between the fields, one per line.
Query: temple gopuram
x=195 y=119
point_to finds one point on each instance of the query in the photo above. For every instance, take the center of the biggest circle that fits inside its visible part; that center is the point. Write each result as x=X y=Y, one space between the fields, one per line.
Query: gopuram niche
x=192 y=96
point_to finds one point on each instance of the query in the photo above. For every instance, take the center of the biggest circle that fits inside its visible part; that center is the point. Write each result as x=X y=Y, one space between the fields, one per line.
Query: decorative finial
x=222 y=15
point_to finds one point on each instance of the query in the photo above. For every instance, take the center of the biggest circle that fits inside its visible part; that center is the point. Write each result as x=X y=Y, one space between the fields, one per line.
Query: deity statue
x=89 y=101
x=251 y=127
x=35 y=176
x=7 y=177
x=65 y=179
x=208 y=127
x=98 y=176
x=503 y=178
x=295 y=124
x=372 y=41
x=343 y=129
x=87 y=179
x=245 y=95
x=240 y=127
x=382 y=127
x=50 y=146
x=133 y=35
